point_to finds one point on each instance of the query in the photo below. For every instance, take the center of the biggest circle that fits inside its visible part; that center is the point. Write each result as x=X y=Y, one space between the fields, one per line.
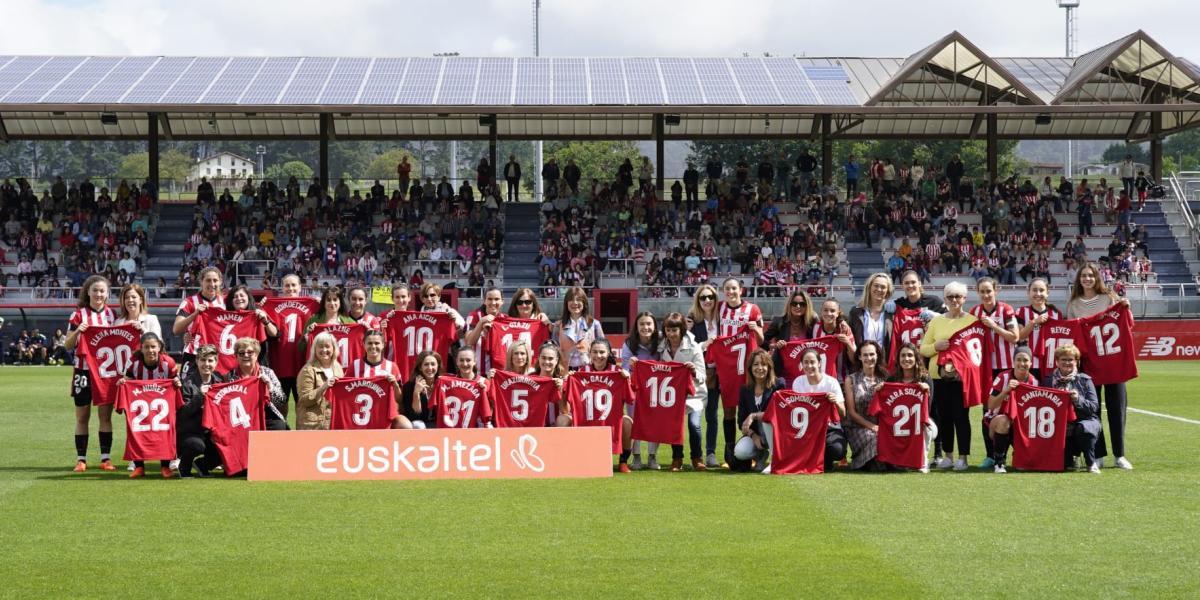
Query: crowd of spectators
x=71 y=231
x=348 y=237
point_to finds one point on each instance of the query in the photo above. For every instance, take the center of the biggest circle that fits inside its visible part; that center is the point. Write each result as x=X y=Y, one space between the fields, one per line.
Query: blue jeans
x=693 y=425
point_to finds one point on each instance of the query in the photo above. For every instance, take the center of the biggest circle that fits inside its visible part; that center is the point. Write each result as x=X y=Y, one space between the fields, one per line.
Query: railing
x=1181 y=183
x=250 y=268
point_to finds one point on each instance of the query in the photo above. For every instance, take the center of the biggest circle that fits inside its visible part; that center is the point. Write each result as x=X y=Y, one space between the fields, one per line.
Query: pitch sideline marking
x=1154 y=414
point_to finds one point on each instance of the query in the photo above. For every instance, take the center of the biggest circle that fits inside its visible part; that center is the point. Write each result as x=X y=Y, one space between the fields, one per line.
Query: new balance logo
x=1158 y=346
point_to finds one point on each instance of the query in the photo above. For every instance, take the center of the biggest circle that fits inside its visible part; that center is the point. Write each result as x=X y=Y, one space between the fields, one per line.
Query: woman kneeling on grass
x=816 y=381
x=754 y=449
x=150 y=362
x=997 y=424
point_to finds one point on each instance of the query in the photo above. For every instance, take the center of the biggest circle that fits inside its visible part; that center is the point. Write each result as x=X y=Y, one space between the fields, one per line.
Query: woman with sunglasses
x=704 y=322
x=431 y=301
x=1089 y=296
x=796 y=323
x=577 y=329
x=642 y=345
x=953 y=421
x=525 y=305
x=247 y=351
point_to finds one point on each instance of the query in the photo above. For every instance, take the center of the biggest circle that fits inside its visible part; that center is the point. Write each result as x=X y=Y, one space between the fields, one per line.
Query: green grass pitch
x=691 y=535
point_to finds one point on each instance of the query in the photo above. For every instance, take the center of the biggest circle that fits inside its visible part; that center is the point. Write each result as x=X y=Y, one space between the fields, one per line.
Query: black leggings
x=952 y=417
x=289 y=393
x=197 y=449
x=710 y=421
x=1114 y=401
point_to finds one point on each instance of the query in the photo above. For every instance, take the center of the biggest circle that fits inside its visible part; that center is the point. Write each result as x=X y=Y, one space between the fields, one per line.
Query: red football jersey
x=460 y=403
x=349 y=339
x=223 y=328
x=734 y=320
x=149 y=407
x=189 y=306
x=1108 y=350
x=165 y=369
x=907 y=328
x=1040 y=417
x=362 y=403
x=1050 y=336
x=231 y=411
x=730 y=353
x=790 y=354
x=521 y=400
x=92 y=317
x=410 y=333
x=661 y=389
x=1002 y=350
x=1037 y=336
x=901 y=409
x=506 y=330
x=596 y=399
x=289 y=315
x=968 y=350
x=108 y=350
x=361 y=368
x=799 y=422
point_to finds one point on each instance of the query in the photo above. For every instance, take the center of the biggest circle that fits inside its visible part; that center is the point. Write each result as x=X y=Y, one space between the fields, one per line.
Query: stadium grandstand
x=775 y=222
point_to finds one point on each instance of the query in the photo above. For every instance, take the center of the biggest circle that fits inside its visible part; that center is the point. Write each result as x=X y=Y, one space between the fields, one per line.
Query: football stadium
x=608 y=310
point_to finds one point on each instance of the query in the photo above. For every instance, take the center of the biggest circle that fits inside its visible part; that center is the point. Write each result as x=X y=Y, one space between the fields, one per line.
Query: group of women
x=869 y=359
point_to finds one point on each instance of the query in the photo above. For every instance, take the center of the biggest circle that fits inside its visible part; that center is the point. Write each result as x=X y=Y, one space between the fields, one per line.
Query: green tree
x=1117 y=152
x=174 y=166
x=295 y=168
x=597 y=160
x=384 y=165
x=135 y=167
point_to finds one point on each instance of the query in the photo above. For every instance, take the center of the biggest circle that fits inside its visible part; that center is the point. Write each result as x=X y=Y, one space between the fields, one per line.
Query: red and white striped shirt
x=189 y=306
x=734 y=320
x=91 y=317
x=361 y=368
x=371 y=321
x=165 y=369
x=1002 y=350
x=933 y=250
x=1025 y=314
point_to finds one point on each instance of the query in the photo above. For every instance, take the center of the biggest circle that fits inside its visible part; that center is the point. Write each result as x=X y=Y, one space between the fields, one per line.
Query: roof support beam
x=1156 y=142
x=164 y=126
x=152 y=153
x=1134 y=124
x=326 y=131
x=3 y=132
x=826 y=150
x=659 y=151
x=992 y=148
x=493 y=140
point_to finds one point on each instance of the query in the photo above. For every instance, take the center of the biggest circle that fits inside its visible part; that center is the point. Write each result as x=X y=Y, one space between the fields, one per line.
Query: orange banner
x=394 y=454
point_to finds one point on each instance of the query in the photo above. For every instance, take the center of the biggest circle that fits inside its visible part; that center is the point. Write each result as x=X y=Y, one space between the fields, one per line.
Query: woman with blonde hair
x=704 y=322
x=871 y=318
x=320 y=372
x=133 y=310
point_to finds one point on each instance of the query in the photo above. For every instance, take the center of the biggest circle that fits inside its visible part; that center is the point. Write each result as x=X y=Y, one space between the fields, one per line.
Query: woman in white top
x=816 y=381
x=678 y=346
x=1090 y=296
x=577 y=329
x=133 y=310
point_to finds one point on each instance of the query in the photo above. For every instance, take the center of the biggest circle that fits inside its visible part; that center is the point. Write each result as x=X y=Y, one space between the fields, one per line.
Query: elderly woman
x=952 y=421
x=321 y=371
x=1084 y=432
x=247 y=351
x=679 y=346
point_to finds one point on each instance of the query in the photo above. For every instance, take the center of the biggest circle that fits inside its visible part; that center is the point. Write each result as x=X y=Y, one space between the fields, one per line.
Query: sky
x=579 y=27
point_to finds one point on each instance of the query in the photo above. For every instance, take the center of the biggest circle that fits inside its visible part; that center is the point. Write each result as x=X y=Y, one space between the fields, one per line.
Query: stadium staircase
x=522 y=240
x=165 y=254
x=864 y=261
x=1169 y=263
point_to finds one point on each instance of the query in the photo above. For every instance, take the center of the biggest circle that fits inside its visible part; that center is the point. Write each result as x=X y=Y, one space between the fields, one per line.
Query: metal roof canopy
x=1129 y=89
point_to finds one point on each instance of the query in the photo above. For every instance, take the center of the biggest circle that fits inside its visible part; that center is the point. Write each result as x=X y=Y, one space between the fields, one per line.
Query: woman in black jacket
x=193 y=443
x=414 y=401
x=1084 y=432
x=871 y=318
x=754 y=449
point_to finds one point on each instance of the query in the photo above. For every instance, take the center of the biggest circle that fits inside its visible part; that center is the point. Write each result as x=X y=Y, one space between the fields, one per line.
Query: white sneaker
x=636 y=463
x=945 y=462
x=925 y=468
x=767 y=471
x=1123 y=463
x=1095 y=468
x=130 y=466
x=960 y=464
x=652 y=464
x=999 y=468
x=711 y=461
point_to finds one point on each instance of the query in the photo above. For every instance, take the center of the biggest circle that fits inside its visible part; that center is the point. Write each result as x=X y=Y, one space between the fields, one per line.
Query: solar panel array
x=446 y=81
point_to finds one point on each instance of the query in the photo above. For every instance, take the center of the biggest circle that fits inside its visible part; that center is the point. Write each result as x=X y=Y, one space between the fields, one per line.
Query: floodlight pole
x=1069 y=6
x=537 y=146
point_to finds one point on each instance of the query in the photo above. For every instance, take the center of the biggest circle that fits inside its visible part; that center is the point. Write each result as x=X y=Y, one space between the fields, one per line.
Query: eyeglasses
x=524 y=302
x=708 y=298
x=247 y=353
x=430 y=296
x=955 y=296
x=798 y=305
